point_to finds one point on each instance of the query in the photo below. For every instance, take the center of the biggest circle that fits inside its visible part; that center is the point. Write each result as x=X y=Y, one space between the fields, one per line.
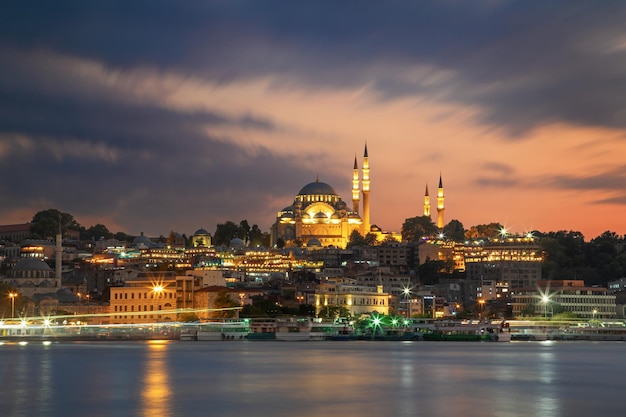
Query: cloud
x=498 y=167
x=613 y=179
x=619 y=200
x=523 y=63
x=139 y=162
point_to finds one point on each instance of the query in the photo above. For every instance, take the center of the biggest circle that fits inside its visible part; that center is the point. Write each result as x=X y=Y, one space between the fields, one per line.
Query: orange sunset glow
x=226 y=110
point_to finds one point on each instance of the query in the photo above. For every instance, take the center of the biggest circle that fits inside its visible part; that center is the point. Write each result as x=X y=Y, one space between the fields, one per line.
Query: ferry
x=321 y=330
x=262 y=329
x=294 y=329
x=467 y=331
x=234 y=329
x=615 y=332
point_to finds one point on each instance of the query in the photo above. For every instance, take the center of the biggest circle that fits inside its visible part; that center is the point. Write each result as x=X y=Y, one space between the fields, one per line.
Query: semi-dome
x=314 y=243
x=317 y=188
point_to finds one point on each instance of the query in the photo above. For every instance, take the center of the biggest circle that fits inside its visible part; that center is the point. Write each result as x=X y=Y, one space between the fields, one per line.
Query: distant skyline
x=153 y=116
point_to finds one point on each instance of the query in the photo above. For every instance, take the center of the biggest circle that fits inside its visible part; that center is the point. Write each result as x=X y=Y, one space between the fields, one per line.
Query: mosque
x=319 y=217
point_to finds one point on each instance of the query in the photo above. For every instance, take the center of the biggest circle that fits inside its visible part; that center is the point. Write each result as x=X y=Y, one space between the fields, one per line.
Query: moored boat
x=467 y=331
x=214 y=330
x=294 y=329
x=262 y=329
x=321 y=330
x=223 y=330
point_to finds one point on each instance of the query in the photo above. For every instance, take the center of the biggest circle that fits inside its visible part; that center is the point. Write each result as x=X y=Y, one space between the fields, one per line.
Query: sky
x=156 y=116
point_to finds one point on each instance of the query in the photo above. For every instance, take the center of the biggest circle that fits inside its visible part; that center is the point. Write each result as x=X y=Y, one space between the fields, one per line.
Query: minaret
x=366 y=193
x=355 y=187
x=58 y=261
x=440 y=208
x=426 y=202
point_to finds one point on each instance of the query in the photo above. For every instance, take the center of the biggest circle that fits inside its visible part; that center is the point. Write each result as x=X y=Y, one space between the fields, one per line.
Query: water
x=302 y=379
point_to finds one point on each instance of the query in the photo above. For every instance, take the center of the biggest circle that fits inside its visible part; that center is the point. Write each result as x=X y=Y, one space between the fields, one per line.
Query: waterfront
x=356 y=378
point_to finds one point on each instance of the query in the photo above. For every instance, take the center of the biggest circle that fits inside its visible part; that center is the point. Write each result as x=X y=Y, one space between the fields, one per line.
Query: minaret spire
x=426 y=202
x=355 y=187
x=366 y=192
x=58 y=256
x=440 y=205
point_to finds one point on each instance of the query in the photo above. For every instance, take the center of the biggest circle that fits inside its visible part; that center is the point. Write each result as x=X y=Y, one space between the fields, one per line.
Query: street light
x=481 y=302
x=12 y=296
x=545 y=300
x=406 y=291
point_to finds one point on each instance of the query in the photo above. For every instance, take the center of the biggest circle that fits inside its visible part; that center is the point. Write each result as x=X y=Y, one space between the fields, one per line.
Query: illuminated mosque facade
x=319 y=217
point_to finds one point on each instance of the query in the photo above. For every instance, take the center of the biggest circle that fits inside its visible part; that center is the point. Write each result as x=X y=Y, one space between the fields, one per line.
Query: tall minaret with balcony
x=440 y=208
x=426 y=202
x=366 y=192
x=355 y=187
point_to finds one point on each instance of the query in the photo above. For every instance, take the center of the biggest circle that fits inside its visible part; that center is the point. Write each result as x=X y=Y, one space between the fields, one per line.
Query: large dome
x=31 y=264
x=317 y=188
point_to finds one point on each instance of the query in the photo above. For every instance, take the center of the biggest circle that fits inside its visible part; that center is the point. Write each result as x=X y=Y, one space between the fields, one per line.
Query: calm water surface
x=357 y=378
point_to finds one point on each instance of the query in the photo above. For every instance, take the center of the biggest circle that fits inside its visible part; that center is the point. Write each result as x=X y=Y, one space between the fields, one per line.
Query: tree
x=224 y=301
x=485 y=231
x=244 y=231
x=454 y=230
x=414 y=228
x=225 y=232
x=389 y=240
x=335 y=312
x=123 y=237
x=257 y=237
x=45 y=224
x=357 y=239
x=188 y=317
x=96 y=232
x=431 y=271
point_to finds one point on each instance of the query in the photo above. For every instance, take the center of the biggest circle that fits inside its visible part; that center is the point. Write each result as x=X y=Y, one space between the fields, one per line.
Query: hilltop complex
x=319 y=217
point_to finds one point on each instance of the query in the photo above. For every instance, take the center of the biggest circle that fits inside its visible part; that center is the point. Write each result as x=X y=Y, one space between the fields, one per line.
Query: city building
x=148 y=298
x=552 y=297
x=509 y=263
x=201 y=238
x=357 y=299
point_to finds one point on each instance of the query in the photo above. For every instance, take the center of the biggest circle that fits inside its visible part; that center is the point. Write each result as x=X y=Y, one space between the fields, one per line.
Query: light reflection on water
x=156 y=391
x=312 y=379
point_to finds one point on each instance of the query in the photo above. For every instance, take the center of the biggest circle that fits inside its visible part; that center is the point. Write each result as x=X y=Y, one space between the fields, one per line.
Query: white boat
x=452 y=330
x=330 y=331
x=615 y=333
x=262 y=328
x=189 y=334
x=293 y=328
x=217 y=330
